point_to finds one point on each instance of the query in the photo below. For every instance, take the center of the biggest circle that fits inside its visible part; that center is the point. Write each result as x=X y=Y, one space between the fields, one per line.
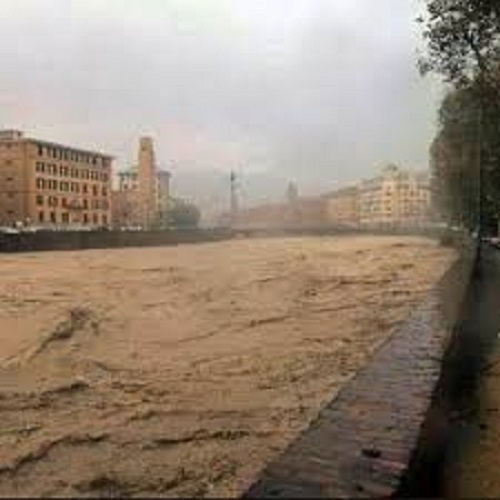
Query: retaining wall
x=76 y=240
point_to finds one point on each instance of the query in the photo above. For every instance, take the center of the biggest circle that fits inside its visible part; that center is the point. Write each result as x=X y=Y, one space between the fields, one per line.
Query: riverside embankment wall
x=79 y=240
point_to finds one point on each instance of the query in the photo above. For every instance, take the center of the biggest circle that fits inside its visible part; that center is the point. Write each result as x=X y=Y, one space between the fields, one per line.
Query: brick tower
x=147 y=184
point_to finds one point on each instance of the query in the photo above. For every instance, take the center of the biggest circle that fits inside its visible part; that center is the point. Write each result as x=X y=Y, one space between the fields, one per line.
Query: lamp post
x=234 y=199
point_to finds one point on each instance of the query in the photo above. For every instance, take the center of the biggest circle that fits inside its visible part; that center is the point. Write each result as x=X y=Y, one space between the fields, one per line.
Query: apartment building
x=49 y=185
x=396 y=197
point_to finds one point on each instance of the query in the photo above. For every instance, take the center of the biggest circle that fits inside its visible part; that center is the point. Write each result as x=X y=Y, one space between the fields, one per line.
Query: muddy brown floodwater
x=183 y=370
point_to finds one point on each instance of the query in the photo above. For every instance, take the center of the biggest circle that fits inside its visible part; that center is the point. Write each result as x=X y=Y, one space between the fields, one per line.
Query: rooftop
x=71 y=148
x=16 y=135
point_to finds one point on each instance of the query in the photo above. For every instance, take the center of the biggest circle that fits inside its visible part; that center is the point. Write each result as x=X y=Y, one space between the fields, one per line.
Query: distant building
x=265 y=216
x=342 y=207
x=163 y=198
x=49 y=185
x=396 y=198
x=310 y=213
x=143 y=193
x=296 y=212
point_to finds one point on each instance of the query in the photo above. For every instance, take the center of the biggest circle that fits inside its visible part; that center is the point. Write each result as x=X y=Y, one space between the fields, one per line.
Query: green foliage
x=463 y=39
x=463 y=45
x=182 y=214
x=468 y=139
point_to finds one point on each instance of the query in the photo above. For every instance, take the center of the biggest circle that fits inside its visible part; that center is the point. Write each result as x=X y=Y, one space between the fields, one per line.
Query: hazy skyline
x=317 y=91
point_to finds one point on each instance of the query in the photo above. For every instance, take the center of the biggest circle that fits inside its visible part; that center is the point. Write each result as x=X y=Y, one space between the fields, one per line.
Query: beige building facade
x=49 y=185
x=397 y=197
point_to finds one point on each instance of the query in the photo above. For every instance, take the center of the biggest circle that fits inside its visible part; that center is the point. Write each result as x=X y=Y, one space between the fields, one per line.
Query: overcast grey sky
x=321 y=91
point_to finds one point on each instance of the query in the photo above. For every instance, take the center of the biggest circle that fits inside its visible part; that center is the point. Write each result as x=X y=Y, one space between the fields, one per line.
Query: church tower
x=147 y=182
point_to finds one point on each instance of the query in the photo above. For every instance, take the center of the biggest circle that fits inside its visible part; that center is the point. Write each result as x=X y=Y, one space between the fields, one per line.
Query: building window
x=40 y=183
x=41 y=216
x=95 y=191
x=40 y=153
x=39 y=199
x=65 y=217
x=85 y=218
x=85 y=189
x=104 y=220
x=85 y=204
x=64 y=202
x=104 y=191
x=53 y=218
x=95 y=219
